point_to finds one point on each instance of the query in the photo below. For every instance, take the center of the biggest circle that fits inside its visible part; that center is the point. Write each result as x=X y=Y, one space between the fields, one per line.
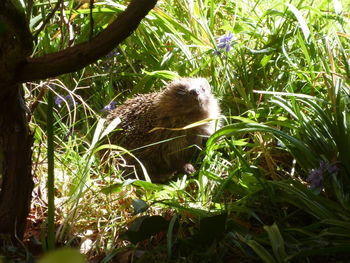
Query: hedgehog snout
x=195 y=92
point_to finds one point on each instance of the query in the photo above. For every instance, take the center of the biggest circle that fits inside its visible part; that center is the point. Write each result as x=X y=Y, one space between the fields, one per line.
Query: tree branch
x=81 y=55
x=15 y=42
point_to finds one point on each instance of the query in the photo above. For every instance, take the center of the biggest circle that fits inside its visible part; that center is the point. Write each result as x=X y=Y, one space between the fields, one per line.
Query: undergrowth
x=272 y=183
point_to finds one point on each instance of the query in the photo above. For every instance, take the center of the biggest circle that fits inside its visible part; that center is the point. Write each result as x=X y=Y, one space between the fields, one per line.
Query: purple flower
x=316 y=179
x=332 y=169
x=112 y=54
x=328 y=167
x=224 y=43
x=58 y=101
x=109 y=107
x=68 y=98
x=316 y=176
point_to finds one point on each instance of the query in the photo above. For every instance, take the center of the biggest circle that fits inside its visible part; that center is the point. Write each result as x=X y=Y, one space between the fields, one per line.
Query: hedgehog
x=153 y=127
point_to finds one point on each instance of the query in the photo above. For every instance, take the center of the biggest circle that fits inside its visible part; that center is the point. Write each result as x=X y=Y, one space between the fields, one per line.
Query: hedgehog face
x=191 y=92
x=201 y=90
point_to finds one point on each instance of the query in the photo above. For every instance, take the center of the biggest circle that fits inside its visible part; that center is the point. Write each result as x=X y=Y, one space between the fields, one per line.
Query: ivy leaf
x=144 y=227
x=139 y=206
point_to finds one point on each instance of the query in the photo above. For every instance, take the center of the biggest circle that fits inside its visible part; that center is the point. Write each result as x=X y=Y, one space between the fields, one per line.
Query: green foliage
x=63 y=255
x=273 y=181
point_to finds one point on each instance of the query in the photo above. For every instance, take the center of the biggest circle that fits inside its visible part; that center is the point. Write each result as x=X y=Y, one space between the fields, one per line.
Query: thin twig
x=91 y=20
x=47 y=19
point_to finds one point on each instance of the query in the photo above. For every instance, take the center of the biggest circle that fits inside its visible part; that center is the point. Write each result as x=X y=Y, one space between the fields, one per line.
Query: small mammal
x=182 y=102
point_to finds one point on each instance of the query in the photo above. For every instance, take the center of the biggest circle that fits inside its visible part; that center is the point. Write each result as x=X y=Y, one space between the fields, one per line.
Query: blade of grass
x=50 y=173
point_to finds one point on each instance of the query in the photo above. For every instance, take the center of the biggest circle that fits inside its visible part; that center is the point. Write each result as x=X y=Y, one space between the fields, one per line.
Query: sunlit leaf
x=301 y=20
x=67 y=255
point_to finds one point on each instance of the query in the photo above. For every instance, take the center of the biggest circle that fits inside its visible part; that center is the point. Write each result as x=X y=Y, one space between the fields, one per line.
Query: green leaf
x=139 y=206
x=261 y=252
x=298 y=195
x=277 y=242
x=169 y=236
x=145 y=227
x=114 y=188
x=300 y=151
x=301 y=20
x=66 y=255
x=162 y=74
x=97 y=133
x=111 y=126
x=265 y=60
x=148 y=185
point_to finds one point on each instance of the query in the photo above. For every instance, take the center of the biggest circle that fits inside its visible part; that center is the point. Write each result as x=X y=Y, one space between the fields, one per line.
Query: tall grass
x=273 y=182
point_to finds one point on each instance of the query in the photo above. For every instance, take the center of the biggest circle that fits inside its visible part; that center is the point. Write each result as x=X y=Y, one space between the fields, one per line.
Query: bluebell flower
x=68 y=98
x=224 y=43
x=109 y=107
x=316 y=179
x=332 y=169
x=316 y=176
x=112 y=54
x=328 y=167
x=58 y=101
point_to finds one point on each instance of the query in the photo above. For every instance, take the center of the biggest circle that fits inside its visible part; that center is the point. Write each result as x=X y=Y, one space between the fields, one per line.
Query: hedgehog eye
x=181 y=90
x=203 y=88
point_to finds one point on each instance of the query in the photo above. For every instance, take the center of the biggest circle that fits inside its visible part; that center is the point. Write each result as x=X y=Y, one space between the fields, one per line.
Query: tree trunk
x=16 y=67
x=15 y=164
